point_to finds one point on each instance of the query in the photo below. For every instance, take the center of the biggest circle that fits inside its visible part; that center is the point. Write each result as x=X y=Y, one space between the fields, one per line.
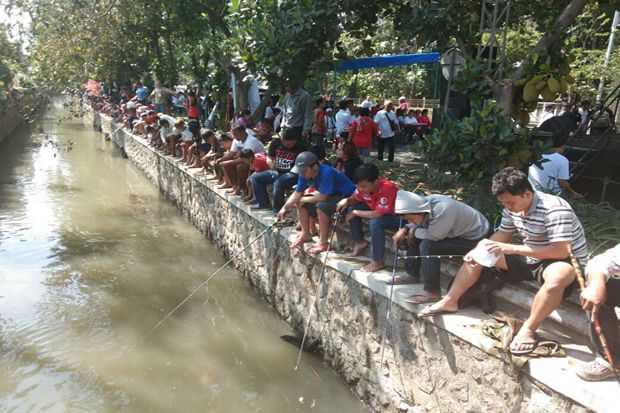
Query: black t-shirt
x=349 y=166
x=284 y=157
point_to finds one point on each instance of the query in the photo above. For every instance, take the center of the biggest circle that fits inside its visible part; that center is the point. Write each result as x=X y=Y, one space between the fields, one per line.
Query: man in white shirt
x=235 y=170
x=548 y=114
x=388 y=127
x=344 y=118
x=367 y=103
x=552 y=176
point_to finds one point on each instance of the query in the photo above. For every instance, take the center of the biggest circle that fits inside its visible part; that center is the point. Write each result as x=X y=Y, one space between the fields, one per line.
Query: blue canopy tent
x=388 y=61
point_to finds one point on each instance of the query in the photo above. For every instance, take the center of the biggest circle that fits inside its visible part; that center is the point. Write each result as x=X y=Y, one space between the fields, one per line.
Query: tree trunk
x=504 y=91
x=266 y=100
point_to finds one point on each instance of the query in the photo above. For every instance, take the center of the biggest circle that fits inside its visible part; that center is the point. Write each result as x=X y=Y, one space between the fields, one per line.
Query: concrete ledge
x=444 y=363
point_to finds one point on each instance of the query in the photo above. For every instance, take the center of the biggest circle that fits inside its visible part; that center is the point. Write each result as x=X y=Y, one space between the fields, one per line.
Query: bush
x=475 y=148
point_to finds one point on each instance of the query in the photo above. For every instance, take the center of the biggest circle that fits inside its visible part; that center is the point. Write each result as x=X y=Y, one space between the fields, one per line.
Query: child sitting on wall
x=257 y=163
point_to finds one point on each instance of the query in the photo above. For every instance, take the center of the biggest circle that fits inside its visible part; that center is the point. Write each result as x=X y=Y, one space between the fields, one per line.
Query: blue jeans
x=363 y=151
x=281 y=183
x=429 y=269
x=377 y=230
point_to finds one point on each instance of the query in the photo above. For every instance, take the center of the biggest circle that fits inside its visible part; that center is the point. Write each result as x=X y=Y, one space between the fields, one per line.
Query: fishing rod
x=592 y=317
x=335 y=219
x=388 y=312
x=269 y=228
x=114 y=131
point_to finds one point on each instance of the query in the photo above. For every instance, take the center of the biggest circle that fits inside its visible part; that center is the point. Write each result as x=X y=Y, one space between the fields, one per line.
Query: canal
x=92 y=257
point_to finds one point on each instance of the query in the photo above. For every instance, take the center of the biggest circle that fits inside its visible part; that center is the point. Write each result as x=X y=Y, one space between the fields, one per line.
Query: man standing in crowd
x=374 y=201
x=367 y=103
x=160 y=96
x=600 y=297
x=142 y=92
x=234 y=169
x=549 y=227
x=344 y=118
x=553 y=174
x=437 y=225
x=331 y=187
x=388 y=127
x=362 y=132
x=281 y=158
x=298 y=111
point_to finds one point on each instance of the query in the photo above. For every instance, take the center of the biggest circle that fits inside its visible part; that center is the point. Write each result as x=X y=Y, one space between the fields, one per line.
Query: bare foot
x=299 y=241
x=524 y=341
x=224 y=186
x=372 y=267
x=445 y=305
x=358 y=249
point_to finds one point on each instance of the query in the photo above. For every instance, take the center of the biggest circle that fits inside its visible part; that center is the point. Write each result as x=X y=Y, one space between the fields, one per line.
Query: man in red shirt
x=374 y=200
x=362 y=132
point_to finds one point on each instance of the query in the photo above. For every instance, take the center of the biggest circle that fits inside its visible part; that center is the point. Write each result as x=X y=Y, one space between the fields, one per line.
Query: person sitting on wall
x=204 y=143
x=348 y=160
x=552 y=176
x=600 y=297
x=373 y=200
x=549 y=227
x=166 y=130
x=257 y=164
x=236 y=171
x=281 y=158
x=332 y=187
x=437 y=225
x=218 y=150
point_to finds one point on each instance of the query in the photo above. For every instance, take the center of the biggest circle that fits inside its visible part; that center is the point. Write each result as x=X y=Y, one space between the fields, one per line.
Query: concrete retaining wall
x=427 y=367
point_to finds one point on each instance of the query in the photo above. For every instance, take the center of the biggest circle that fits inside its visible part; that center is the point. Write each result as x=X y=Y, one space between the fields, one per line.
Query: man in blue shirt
x=142 y=92
x=319 y=189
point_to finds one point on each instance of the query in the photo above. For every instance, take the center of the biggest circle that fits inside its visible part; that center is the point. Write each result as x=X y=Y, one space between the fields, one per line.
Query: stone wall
x=426 y=367
x=10 y=119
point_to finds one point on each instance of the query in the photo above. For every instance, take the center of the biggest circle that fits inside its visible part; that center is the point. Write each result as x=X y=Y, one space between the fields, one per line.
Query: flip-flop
x=317 y=248
x=299 y=242
x=427 y=312
x=533 y=342
x=422 y=298
x=403 y=280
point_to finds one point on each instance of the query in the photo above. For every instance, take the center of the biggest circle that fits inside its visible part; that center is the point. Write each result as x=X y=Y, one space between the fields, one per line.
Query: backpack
x=479 y=294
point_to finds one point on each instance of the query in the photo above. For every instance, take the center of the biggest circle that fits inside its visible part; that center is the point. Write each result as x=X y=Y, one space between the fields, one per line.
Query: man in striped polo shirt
x=549 y=227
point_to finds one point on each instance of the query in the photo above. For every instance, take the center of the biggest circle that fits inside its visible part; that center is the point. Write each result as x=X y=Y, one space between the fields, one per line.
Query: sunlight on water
x=91 y=257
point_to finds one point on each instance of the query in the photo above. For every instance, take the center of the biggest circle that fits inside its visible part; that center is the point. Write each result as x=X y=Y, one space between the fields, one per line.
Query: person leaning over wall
x=436 y=225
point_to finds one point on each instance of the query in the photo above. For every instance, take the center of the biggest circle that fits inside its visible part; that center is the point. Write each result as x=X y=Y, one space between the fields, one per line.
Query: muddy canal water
x=91 y=257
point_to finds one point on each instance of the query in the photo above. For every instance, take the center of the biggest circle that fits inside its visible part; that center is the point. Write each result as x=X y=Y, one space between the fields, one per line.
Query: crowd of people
x=287 y=154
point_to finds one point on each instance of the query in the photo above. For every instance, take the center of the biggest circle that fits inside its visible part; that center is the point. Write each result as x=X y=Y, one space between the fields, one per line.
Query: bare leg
x=358 y=248
x=323 y=227
x=558 y=276
x=304 y=221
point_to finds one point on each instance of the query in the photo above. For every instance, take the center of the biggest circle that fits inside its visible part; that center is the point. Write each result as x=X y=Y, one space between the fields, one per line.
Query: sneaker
x=596 y=370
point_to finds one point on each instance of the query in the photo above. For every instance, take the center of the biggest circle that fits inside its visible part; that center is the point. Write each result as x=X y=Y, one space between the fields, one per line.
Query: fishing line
x=404 y=257
x=387 y=316
x=206 y=281
x=335 y=219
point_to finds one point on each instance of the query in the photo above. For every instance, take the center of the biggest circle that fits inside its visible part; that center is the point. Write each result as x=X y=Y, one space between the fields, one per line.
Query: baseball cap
x=304 y=160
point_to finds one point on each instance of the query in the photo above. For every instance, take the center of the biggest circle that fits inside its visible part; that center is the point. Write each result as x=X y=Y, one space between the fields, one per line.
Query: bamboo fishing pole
x=592 y=317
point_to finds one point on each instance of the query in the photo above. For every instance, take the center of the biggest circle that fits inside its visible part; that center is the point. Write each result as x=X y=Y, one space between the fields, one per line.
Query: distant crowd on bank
x=280 y=164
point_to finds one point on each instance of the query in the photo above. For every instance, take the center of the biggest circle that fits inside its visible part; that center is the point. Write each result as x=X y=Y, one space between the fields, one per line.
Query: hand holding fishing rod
x=593 y=313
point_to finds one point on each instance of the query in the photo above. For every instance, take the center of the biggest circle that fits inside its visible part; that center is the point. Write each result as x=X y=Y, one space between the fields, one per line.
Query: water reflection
x=91 y=257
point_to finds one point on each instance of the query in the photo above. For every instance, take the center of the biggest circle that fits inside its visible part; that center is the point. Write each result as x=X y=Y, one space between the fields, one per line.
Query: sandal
x=317 y=248
x=299 y=242
x=533 y=343
x=423 y=298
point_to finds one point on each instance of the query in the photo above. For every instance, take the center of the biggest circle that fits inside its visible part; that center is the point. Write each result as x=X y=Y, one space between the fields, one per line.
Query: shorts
x=520 y=270
x=328 y=206
x=203 y=147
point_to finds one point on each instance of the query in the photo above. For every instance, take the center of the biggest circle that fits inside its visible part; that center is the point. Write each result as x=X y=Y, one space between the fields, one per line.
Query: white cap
x=410 y=203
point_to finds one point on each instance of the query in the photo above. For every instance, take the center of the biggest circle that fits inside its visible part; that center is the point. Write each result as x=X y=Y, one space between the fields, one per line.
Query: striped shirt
x=550 y=219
